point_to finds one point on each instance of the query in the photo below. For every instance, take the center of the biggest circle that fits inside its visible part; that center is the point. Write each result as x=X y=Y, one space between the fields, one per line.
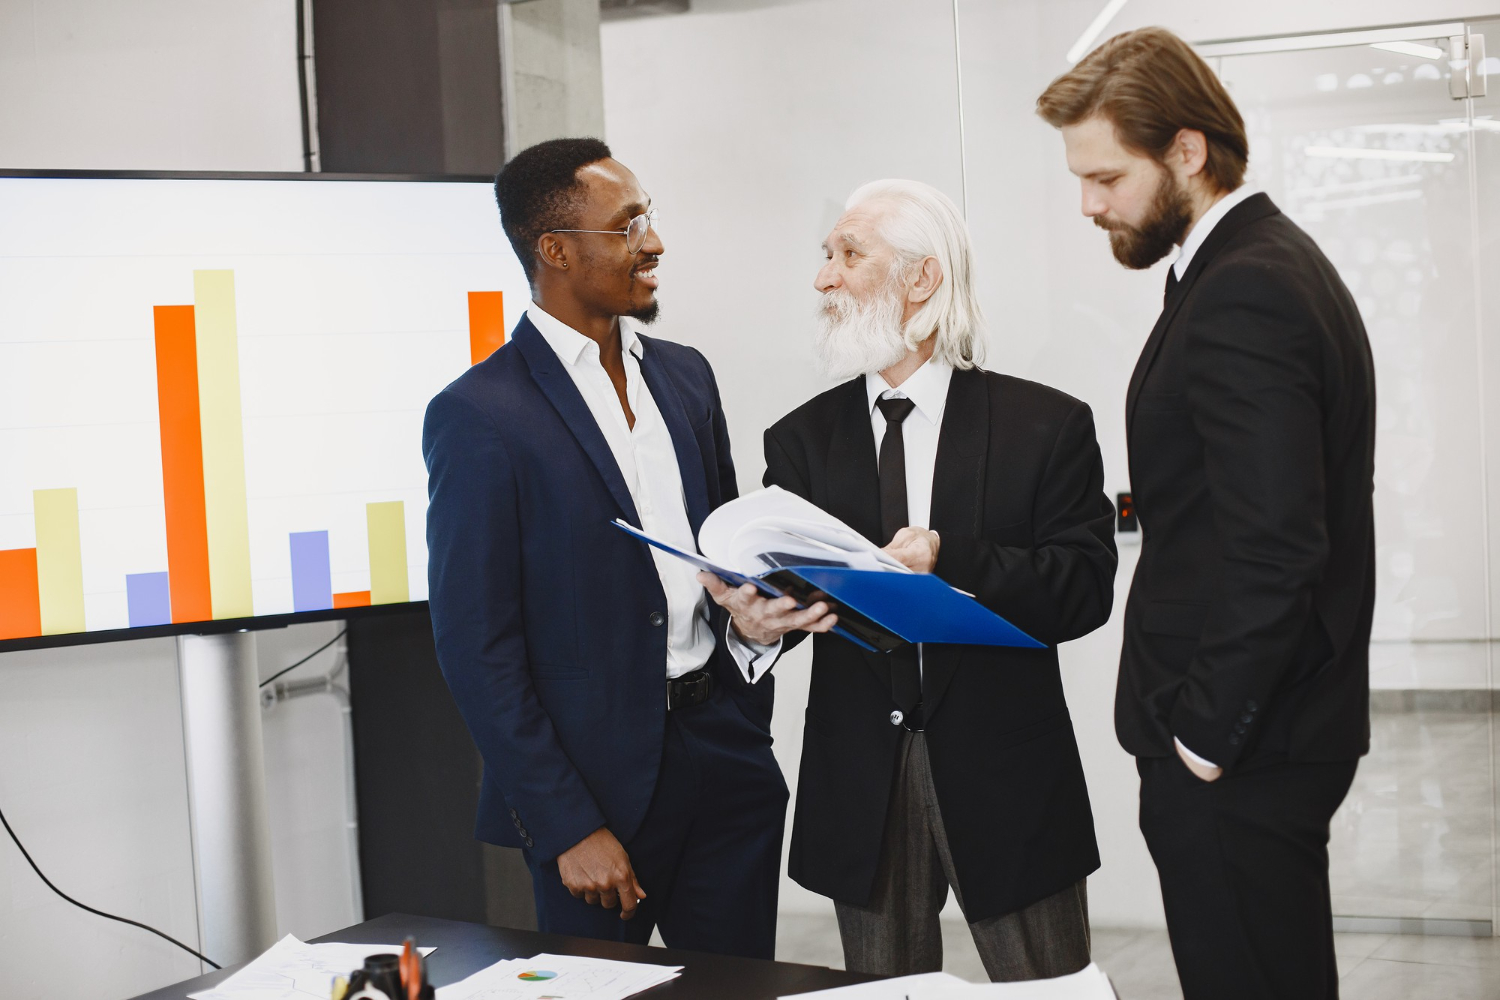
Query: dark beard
x=1138 y=247
x=646 y=314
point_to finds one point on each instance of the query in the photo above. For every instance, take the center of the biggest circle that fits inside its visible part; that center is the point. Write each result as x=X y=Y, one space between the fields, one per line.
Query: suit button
x=1247 y=718
x=657 y=618
x=1239 y=727
x=896 y=718
x=1252 y=706
x=1234 y=741
x=513 y=814
x=516 y=820
x=530 y=842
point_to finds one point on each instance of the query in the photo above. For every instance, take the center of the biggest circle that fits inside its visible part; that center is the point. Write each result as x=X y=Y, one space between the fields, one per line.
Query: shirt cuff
x=1195 y=758
x=754 y=659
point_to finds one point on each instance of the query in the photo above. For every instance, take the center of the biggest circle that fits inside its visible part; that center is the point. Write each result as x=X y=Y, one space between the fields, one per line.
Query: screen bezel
x=256 y=622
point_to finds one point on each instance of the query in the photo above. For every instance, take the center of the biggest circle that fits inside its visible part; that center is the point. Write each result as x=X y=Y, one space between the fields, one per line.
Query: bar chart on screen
x=212 y=390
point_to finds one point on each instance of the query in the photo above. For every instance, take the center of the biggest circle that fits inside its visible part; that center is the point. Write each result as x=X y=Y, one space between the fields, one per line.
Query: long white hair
x=923 y=222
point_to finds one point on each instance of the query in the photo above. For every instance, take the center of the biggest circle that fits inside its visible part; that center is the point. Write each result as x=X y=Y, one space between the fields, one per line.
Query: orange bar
x=20 y=596
x=182 y=464
x=486 y=324
x=352 y=599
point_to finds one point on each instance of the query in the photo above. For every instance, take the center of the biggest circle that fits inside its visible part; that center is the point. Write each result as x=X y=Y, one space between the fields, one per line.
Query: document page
x=559 y=977
x=1087 y=984
x=772 y=521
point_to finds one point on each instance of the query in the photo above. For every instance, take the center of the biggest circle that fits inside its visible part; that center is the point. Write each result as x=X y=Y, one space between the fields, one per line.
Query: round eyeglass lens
x=635 y=232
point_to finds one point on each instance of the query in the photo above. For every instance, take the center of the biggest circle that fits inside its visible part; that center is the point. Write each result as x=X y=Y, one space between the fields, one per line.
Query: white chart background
x=352 y=306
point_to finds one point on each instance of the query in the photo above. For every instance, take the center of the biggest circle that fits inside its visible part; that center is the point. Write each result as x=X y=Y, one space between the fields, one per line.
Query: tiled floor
x=1371 y=966
x=1413 y=838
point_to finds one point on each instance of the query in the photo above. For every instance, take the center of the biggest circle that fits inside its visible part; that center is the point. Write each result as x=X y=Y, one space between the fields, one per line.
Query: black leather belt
x=689 y=689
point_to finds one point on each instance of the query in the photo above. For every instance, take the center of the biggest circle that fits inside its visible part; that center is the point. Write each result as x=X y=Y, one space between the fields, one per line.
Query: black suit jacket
x=1251 y=426
x=1017 y=500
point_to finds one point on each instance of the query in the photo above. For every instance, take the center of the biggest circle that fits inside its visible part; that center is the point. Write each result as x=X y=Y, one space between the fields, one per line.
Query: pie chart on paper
x=537 y=976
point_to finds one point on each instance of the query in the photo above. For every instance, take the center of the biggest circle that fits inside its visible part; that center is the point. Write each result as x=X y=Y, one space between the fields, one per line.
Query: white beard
x=857 y=338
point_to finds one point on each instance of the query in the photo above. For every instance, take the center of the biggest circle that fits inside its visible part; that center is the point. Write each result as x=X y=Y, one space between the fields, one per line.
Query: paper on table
x=888 y=989
x=1089 y=983
x=294 y=970
x=559 y=977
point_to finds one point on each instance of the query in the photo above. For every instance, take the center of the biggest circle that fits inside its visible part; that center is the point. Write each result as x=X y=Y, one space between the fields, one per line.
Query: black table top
x=463 y=949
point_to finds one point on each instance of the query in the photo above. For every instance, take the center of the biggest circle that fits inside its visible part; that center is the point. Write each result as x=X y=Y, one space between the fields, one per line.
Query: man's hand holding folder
x=807 y=567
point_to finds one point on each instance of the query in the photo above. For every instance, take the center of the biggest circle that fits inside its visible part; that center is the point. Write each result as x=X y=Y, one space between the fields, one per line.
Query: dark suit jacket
x=1251 y=425
x=550 y=623
x=1017 y=500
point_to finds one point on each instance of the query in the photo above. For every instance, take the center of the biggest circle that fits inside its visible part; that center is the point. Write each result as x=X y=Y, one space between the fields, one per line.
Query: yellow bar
x=59 y=561
x=223 y=444
x=387 y=527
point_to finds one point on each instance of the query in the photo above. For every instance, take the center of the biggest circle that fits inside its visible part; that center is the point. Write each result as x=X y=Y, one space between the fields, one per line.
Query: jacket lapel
x=689 y=457
x=854 y=483
x=1254 y=208
x=557 y=385
x=957 y=500
x=853 y=466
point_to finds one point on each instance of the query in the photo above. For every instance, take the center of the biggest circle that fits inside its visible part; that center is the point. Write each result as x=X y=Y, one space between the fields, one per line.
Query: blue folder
x=877 y=610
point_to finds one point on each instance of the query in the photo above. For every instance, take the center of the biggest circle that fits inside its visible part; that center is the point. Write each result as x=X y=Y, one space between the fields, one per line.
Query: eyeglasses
x=634 y=232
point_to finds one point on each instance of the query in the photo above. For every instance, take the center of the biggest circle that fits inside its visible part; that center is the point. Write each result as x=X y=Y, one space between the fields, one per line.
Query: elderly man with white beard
x=940 y=766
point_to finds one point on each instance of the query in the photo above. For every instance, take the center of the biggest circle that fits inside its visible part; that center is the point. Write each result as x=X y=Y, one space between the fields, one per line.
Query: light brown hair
x=1150 y=85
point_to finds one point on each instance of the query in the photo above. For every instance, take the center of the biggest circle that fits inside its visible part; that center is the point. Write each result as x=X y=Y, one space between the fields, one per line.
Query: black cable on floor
x=294 y=666
x=84 y=906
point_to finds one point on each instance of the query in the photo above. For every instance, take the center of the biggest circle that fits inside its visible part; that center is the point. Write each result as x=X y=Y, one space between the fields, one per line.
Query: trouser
x=1243 y=863
x=707 y=854
x=898 y=933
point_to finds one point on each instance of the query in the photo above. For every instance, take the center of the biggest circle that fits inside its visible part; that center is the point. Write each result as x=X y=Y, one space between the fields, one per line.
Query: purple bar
x=312 y=578
x=148 y=599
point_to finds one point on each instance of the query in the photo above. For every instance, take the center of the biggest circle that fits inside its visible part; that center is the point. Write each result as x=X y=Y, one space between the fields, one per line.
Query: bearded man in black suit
x=1244 y=678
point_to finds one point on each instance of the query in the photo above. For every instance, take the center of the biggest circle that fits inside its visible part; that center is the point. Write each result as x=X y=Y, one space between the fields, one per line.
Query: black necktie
x=1171 y=283
x=893 y=513
x=906 y=674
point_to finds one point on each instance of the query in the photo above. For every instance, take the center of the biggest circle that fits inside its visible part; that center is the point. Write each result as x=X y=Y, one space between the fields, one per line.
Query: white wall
x=91 y=754
x=749 y=117
x=149 y=85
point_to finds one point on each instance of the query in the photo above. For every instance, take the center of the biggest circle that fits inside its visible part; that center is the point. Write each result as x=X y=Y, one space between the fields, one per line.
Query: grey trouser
x=898 y=933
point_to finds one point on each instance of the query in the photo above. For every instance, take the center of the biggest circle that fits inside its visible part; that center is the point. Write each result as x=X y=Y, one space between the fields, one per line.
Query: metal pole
x=227 y=794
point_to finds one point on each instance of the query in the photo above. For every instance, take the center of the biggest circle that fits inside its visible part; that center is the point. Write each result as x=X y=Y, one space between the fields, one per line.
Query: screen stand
x=227 y=795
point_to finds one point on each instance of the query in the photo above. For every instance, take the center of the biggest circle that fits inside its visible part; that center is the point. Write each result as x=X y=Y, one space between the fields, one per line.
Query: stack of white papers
x=771 y=528
x=293 y=970
x=1088 y=984
x=559 y=977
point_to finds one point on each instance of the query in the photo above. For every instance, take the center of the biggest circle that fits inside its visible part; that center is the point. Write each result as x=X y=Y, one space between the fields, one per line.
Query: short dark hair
x=1150 y=85
x=539 y=191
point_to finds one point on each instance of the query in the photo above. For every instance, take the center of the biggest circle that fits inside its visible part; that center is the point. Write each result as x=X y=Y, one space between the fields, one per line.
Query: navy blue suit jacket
x=549 y=622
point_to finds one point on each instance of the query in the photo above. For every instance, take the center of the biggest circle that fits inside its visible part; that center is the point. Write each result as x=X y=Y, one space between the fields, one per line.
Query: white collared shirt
x=648 y=463
x=927 y=388
x=1205 y=225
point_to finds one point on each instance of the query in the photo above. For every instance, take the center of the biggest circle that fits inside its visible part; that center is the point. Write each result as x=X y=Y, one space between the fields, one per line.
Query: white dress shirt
x=1195 y=238
x=648 y=463
x=1205 y=225
x=927 y=388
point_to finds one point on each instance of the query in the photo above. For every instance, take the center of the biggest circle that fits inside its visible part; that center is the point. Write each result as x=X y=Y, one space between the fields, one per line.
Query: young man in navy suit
x=626 y=752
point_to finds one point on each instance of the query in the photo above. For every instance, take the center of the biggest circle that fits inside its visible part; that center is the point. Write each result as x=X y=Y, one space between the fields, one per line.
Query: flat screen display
x=212 y=390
